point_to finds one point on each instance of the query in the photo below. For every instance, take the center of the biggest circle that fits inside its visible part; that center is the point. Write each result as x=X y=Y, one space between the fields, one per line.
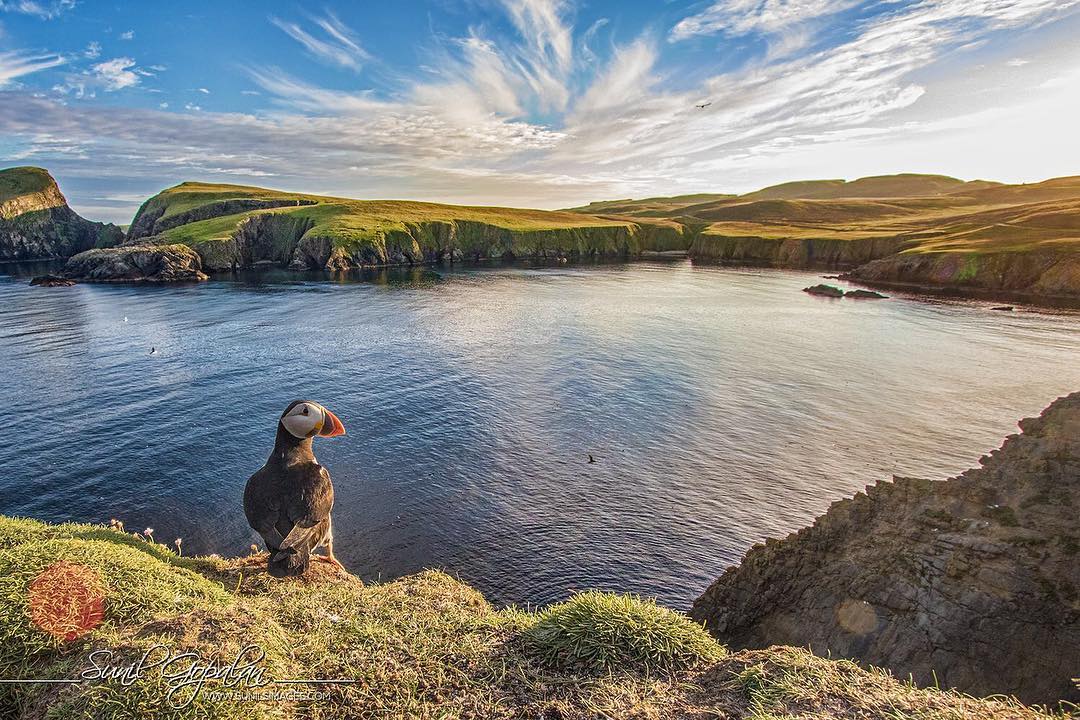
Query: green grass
x=595 y=631
x=423 y=646
x=18 y=181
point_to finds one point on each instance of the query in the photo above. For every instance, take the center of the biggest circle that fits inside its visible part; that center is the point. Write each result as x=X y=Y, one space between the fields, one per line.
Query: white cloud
x=93 y=50
x=337 y=46
x=517 y=118
x=127 y=35
x=1017 y=62
x=739 y=17
x=43 y=10
x=116 y=74
x=14 y=64
x=203 y=90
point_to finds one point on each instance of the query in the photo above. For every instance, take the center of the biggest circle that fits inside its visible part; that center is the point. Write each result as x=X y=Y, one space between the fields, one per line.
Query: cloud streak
x=336 y=46
x=15 y=64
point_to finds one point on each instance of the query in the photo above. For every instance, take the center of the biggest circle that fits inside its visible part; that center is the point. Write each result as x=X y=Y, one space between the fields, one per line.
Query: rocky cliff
x=972 y=582
x=136 y=263
x=36 y=222
x=803 y=253
x=1042 y=274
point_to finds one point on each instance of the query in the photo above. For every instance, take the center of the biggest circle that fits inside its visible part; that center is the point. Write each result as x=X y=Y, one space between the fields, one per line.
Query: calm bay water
x=722 y=406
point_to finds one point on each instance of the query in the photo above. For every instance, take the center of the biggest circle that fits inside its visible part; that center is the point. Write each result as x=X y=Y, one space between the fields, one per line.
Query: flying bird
x=288 y=500
x=703 y=105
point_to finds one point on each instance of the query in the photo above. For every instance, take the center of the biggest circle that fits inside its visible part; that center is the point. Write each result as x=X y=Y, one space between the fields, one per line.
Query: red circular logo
x=67 y=600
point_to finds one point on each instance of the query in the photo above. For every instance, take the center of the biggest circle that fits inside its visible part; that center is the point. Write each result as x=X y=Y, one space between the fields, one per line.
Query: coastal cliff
x=801 y=253
x=36 y=222
x=925 y=233
x=233 y=227
x=972 y=582
x=1042 y=274
x=425 y=645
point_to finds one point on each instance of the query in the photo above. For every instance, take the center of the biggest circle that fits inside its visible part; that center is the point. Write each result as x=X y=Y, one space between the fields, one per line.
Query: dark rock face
x=55 y=232
x=136 y=263
x=824 y=290
x=1036 y=274
x=865 y=295
x=974 y=580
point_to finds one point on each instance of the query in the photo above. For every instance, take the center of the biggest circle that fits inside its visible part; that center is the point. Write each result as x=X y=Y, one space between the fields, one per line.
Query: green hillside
x=18 y=181
x=233 y=225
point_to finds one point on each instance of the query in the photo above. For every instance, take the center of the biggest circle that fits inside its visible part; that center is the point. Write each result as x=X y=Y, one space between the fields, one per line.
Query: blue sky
x=541 y=103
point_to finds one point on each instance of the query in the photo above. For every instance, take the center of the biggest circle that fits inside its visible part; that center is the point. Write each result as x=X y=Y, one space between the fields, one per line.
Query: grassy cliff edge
x=425 y=645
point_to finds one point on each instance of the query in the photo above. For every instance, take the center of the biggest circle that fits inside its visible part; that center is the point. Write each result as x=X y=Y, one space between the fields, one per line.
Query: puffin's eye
x=305 y=410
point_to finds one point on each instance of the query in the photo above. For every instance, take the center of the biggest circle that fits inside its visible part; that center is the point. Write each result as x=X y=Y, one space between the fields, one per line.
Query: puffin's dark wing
x=308 y=511
x=262 y=506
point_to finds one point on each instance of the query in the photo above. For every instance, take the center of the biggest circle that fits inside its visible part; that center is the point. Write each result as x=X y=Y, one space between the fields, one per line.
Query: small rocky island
x=972 y=582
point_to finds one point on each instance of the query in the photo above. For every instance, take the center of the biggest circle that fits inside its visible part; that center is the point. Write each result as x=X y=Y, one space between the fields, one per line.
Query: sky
x=535 y=103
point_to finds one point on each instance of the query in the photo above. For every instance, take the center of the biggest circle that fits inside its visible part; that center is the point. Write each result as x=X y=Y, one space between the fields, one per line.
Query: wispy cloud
x=43 y=10
x=336 y=46
x=14 y=64
x=92 y=51
x=116 y=74
x=739 y=17
x=128 y=35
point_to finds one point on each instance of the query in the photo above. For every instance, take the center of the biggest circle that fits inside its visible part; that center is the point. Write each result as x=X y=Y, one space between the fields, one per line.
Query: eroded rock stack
x=972 y=582
x=136 y=263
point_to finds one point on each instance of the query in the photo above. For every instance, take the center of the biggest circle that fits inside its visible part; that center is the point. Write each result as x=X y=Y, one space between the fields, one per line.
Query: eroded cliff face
x=39 y=224
x=1044 y=274
x=972 y=582
x=801 y=253
x=282 y=239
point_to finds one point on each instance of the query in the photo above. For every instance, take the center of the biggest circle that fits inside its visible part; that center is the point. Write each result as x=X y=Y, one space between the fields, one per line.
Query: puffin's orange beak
x=332 y=427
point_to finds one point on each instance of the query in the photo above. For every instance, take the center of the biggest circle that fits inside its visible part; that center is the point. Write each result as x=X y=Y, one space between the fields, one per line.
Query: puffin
x=288 y=500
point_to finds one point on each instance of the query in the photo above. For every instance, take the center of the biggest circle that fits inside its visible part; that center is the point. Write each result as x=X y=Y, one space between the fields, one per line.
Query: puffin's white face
x=307 y=419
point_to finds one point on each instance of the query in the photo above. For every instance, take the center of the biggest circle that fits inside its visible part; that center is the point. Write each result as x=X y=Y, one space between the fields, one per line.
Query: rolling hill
x=925 y=231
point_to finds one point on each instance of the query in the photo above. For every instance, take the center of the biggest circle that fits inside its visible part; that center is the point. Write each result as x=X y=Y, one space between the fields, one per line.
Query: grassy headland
x=425 y=645
x=233 y=226
x=923 y=231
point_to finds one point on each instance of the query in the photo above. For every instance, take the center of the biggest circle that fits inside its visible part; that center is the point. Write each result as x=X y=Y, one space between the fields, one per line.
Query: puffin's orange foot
x=333 y=561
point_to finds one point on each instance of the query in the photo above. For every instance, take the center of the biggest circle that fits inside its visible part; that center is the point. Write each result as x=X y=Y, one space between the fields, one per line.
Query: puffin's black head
x=305 y=418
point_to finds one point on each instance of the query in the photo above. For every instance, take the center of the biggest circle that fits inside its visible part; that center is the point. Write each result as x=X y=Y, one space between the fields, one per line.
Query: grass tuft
x=595 y=631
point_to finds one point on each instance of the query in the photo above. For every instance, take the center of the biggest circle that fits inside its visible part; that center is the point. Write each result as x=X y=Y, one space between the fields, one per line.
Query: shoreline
x=841 y=273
